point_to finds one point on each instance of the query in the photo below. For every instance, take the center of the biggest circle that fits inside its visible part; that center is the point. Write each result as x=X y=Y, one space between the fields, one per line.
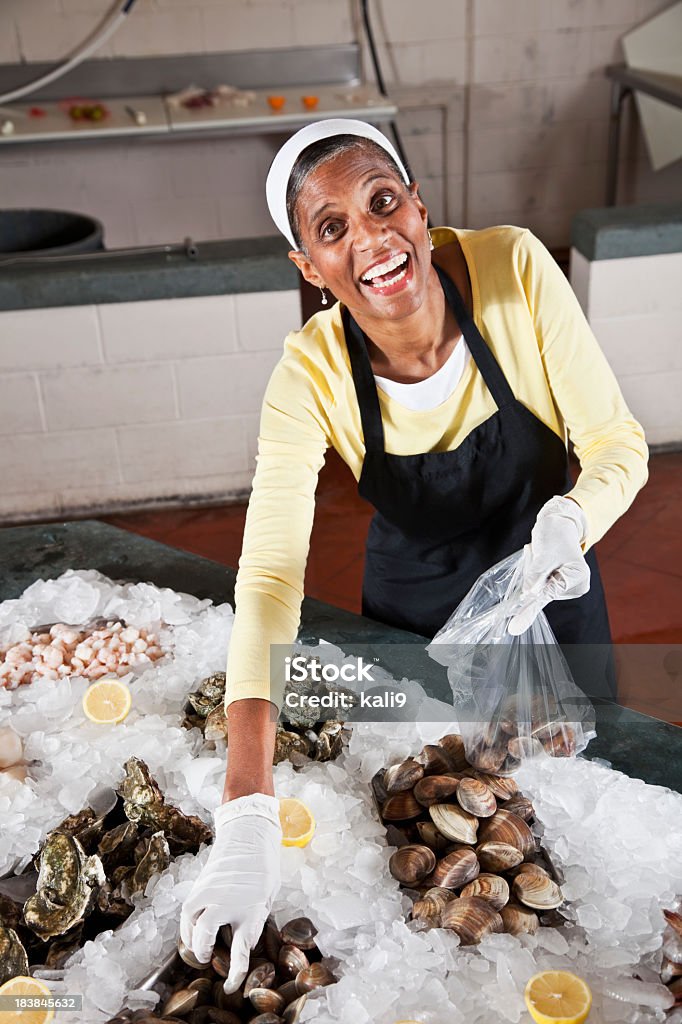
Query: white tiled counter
x=626 y=269
x=122 y=404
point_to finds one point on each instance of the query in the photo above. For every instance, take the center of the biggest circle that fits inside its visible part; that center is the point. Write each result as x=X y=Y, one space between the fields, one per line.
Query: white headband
x=282 y=166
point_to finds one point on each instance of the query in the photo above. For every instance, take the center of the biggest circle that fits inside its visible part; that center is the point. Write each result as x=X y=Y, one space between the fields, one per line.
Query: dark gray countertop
x=615 y=232
x=220 y=268
x=642 y=747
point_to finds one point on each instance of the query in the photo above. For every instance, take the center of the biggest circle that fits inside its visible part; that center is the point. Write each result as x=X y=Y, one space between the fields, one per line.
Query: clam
x=674 y=920
x=476 y=798
x=455 y=823
x=433 y=789
x=471 y=918
x=429 y=834
x=453 y=745
x=267 y=1018
x=537 y=891
x=180 y=1002
x=492 y=888
x=521 y=806
x=505 y=827
x=498 y=856
x=562 y=744
x=262 y=976
x=530 y=868
x=204 y=986
x=288 y=991
x=266 y=1000
x=411 y=863
x=455 y=869
x=400 y=807
x=301 y=932
x=524 y=747
x=487 y=757
x=291 y=960
x=272 y=939
x=220 y=961
x=669 y=969
x=439 y=894
x=427 y=911
x=402 y=776
x=217 y=1016
x=312 y=977
x=292 y=1013
x=504 y=789
x=434 y=760
x=519 y=920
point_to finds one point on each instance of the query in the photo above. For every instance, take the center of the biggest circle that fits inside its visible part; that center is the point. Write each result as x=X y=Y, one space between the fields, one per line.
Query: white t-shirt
x=436 y=389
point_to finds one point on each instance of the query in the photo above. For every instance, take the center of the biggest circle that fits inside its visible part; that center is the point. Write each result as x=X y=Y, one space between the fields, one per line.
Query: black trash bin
x=48 y=233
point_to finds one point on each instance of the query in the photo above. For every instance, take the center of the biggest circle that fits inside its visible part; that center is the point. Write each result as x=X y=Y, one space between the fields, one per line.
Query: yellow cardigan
x=527 y=313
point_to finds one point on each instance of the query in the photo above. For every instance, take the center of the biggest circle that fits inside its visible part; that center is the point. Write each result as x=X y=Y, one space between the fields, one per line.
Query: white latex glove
x=238 y=882
x=553 y=567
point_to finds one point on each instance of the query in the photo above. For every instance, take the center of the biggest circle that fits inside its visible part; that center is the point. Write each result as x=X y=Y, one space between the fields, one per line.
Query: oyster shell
x=66 y=887
x=214 y=685
x=155 y=859
x=454 y=822
x=498 y=856
x=400 y=807
x=471 y=918
x=329 y=741
x=215 y=727
x=116 y=846
x=288 y=743
x=13 y=958
x=411 y=863
x=144 y=803
x=492 y=888
x=537 y=891
x=433 y=789
x=455 y=869
x=476 y=798
x=519 y=920
x=403 y=776
x=505 y=827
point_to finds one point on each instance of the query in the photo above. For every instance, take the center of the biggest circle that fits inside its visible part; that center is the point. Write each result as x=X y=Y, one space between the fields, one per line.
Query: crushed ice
x=617 y=840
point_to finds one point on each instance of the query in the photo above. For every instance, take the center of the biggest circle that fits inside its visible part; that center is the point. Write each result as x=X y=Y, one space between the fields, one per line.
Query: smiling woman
x=457 y=483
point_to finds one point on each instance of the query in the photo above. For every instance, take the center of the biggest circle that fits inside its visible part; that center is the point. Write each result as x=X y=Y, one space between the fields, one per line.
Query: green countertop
x=642 y=747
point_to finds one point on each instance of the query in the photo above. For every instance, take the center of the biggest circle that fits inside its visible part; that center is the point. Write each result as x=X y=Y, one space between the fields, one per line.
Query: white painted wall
x=134 y=402
x=634 y=306
x=522 y=82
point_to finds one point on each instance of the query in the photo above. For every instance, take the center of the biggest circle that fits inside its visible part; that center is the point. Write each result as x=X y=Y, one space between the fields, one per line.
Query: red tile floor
x=640 y=558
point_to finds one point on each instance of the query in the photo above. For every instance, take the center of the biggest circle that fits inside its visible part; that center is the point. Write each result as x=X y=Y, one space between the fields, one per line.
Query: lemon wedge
x=108 y=700
x=298 y=824
x=558 y=997
x=27 y=988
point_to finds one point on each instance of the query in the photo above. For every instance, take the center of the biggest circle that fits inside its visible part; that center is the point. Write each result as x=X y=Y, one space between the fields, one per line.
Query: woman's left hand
x=553 y=567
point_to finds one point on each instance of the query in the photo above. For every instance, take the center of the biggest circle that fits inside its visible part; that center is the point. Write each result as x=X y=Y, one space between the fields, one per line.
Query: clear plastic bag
x=514 y=696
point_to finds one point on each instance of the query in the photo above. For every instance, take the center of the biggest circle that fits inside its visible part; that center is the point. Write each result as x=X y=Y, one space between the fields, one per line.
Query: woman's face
x=356 y=217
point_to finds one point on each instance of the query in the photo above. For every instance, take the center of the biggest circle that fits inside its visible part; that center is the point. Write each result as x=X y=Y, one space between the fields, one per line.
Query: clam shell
x=498 y=856
x=400 y=807
x=400 y=777
x=674 y=920
x=471 y=918
x=529 y=868
x=476 y=798
x=439 y=894
x=266 y=1018
x=537 y=891
x=426 y=910
x=411 y=863
x=669 y=970
x=521 y=806
x=288 y=991
x=433 y=789
x=434 y=760
x=312 y=977
x=453 y=745
x=429 y=834
x=266 y=1000
x=301 y=932
x=291 y=960
x=563 y=744
x=220 y=961
x=455 y=869
x=292 y=1013
x=519 y=920
x=487 y=757
x=504 y=789
x=455 y=823
x=524 y=747
x=182 y=1002
x=262 y=976
x=189 y=958
x=272 y=939
x=505 y=827
x=492 y=888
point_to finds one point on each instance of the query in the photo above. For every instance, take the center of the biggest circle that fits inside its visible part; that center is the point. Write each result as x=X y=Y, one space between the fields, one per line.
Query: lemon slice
x=108 y=700
x=298 y=824
x=27 y=988
x=558 y=997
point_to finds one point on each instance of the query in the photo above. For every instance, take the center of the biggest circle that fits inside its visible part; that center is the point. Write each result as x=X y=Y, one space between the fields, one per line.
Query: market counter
x=640 y=746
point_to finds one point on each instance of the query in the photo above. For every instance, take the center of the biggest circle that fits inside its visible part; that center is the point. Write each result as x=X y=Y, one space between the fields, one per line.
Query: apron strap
x=365 y=384
x=485 y=361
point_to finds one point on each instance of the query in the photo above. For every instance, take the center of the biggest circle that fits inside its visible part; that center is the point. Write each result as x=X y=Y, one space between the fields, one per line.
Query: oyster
x=116 y=846
x=537 y=891
x=433 y=789
x=492 y=888
x=519 y=920
x=411 y=863
x=155 y=859
x=66 y=887
x=288 y=743
x=214 y=685
x=64 y=947
x=498 y=856
x=13 y=958
x=202 y=704
x=454 y=822
x=455 y=869
x=505 y=827
x=476 y=798
x=329 y=741
x=402 y=776
x=471 y=918
x=144 y=803
x=215 y=727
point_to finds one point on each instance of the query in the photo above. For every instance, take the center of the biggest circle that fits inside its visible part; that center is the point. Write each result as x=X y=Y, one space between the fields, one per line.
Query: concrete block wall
x=135 y=402
x=634 y=306
x=513 y=94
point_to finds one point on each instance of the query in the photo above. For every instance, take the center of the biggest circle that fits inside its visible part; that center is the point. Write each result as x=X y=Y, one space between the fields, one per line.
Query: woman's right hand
x=238 y=883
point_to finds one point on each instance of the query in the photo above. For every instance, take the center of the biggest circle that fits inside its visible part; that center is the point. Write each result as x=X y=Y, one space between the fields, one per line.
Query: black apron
x=443 y=518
